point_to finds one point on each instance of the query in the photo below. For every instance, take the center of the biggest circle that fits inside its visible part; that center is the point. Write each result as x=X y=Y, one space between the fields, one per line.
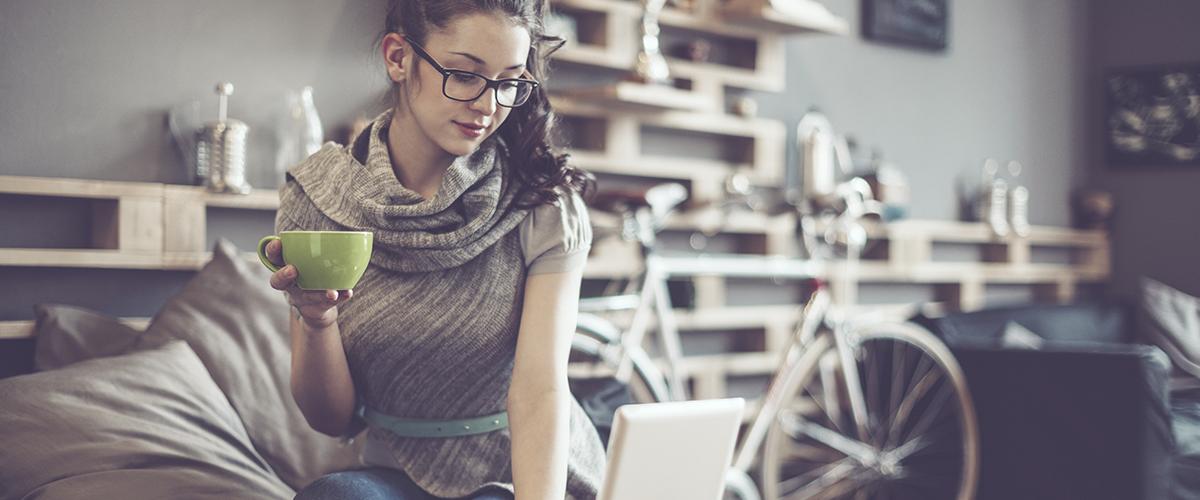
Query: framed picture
x=915 y=23
x=1153 y=116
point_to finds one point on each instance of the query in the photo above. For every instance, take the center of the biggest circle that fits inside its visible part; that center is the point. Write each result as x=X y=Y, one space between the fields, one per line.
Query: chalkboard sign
x=916 y=23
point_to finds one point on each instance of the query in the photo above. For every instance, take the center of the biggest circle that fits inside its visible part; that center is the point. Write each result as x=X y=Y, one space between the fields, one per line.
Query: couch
x=1072 y=404
x=195 y=406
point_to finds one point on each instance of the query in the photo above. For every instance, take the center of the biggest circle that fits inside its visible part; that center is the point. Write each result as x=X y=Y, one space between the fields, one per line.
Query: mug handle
x=262 y=252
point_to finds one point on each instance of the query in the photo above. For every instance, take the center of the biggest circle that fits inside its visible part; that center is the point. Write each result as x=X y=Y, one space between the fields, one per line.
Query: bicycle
x=864 y=407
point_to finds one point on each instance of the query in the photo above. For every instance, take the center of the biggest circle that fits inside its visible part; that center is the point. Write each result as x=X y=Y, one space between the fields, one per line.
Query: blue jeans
x=378 y=483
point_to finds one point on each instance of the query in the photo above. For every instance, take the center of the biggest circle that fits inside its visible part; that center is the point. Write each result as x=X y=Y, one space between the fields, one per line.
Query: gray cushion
x=151 y=424
x=1171 y=320
x=238 y=326
x=68 y=334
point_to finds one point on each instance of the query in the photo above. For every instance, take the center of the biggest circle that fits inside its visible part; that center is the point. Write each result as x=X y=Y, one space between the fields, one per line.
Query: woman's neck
x=422 y=164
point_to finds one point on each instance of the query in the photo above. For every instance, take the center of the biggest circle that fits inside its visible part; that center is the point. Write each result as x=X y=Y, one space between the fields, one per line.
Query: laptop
x=669 y=451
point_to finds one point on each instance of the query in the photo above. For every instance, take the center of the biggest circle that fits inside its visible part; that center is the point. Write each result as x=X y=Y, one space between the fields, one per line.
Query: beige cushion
x=68 y=334
x=238 y=326
x=151 y=424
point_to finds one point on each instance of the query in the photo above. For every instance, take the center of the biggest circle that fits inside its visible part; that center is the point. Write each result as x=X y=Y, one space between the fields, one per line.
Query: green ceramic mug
x=325 y=260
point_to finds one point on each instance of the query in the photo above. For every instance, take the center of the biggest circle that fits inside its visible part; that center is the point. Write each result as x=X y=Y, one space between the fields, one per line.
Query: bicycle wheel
x=596 y=353
x=918 y=440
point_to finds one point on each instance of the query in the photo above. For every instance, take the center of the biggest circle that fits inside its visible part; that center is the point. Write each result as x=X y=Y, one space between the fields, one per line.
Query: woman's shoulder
x=554 y=230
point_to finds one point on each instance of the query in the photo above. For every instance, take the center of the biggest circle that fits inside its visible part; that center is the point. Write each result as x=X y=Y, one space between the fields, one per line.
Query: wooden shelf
x=259 y=199
x=684 y=169
x=808 y=17
x=710 y=123
x=106 y=259
x=76 y=188
x=594 y=56
x=637 y=95
x=25 y=329
x=974 y=232
x=79 y=258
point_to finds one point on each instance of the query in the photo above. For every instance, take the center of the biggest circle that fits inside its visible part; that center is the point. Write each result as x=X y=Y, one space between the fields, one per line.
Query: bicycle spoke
x=872 y=390
x=909 y=403
x=810 y=476
x=908 y=439
x=838 y=441
x=931 y=412
x=898 y=362
x=817 y=485
x=820 y=402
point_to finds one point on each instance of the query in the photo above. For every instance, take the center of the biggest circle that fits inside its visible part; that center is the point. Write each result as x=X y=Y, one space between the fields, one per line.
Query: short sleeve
x=557 y=238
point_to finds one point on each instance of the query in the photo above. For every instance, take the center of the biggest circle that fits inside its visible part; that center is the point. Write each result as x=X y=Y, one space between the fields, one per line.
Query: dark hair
x=540 y=169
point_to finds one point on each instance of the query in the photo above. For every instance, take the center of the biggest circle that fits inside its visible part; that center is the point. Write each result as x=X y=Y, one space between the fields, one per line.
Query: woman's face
x=486 y=44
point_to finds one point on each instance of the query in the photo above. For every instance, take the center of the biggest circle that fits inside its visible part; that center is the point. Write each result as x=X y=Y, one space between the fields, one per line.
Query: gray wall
x=85 y=86
x=1008 y=87
x=84 y=89
x=1154 y=229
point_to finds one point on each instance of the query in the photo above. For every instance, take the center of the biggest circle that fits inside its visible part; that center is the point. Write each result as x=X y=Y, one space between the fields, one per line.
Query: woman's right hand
x=317 y=309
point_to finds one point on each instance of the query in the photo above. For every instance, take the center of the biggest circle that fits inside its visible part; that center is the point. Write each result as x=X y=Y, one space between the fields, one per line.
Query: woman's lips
x=471 y=131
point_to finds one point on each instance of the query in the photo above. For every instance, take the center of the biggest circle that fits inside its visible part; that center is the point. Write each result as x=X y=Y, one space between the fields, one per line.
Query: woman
x=465 y=314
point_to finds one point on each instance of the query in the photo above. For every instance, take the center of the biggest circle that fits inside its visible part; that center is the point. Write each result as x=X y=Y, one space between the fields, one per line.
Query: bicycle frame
x=653 y=298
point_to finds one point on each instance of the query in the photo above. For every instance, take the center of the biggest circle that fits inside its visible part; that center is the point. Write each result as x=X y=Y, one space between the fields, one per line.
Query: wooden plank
x=634 y=95
x=708 y=384
x=754 y=363
x=140 y=223
x=129 y=223
x=711 y=123
x=593 y=56
x=75 y=258
x=683 y=169
x=808 y=17
x=1058 y=292
x=265 y=199
x=186 y=223
x=76 y=188
x=25 y=329
x=975 y=232
x=742 y=78
x=709 y=292
x=622 y=138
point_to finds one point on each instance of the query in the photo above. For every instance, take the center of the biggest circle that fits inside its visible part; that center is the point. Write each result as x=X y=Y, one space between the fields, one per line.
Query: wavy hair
x=541 y=170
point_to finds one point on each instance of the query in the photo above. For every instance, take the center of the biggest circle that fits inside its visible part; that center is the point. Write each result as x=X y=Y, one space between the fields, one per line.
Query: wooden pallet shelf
x=809 y=17
x=25 y=329
x=637 y=95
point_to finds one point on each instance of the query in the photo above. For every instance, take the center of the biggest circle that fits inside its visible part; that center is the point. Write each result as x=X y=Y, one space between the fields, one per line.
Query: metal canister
x=221 y=149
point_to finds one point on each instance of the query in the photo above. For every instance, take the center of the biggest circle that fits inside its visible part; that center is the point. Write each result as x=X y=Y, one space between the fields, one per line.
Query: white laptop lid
x=667 y=451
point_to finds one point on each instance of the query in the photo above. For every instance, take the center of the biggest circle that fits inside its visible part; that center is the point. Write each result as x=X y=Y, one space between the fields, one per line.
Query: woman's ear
x=394 y=51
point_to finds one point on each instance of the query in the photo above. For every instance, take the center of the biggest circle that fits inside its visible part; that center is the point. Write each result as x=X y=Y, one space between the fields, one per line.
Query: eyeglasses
x=466 y=86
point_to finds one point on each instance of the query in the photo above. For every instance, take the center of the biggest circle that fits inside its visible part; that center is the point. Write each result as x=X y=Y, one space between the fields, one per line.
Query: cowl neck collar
x=474 y=206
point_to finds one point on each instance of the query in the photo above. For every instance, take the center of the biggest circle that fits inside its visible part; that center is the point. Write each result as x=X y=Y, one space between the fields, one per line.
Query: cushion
x=67 y=334
x=1171 y=320
x=1018 y=337
x=150 y=424
x=238 y=326
x=1096 y=322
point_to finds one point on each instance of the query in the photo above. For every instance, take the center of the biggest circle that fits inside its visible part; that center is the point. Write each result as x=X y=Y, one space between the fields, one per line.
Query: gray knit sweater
x=431 y=332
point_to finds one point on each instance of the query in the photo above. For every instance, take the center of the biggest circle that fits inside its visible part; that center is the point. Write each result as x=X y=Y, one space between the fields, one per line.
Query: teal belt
x=423 y=428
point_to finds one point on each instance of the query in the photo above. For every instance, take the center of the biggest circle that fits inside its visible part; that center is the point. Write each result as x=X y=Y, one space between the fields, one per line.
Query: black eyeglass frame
x=491 y=84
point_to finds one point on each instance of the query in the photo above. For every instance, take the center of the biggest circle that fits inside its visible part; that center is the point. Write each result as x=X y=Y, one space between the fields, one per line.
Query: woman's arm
x=321 y=382
x=539 y=399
